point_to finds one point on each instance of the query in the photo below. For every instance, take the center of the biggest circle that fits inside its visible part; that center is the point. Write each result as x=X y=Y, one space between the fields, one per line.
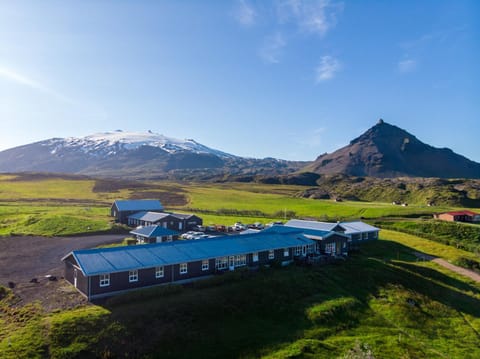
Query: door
x=75 y=277
x=231 y=262
x=304 y=250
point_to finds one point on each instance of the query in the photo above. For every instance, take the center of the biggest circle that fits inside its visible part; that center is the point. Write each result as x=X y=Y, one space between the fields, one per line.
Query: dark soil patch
x=111 y=185
x=25 y=258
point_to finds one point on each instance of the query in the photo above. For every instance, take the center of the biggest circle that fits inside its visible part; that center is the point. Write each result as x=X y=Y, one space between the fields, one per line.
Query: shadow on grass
x=248 y=314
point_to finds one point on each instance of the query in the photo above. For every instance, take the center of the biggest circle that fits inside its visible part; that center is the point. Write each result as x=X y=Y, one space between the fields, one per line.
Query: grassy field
x=274 y=201
x=381 y=299
x=43 y=205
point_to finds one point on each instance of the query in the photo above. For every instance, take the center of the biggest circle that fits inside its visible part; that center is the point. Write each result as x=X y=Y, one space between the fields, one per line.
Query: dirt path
x=25 y=258
x=463 y=271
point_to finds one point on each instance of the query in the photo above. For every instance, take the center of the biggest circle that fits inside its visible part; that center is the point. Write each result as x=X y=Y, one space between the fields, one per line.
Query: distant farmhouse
x=458 y=216
x=121 y=209
x=102 y=272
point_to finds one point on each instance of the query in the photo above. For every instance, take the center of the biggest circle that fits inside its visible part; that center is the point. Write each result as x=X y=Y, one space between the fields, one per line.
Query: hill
x=389 y=151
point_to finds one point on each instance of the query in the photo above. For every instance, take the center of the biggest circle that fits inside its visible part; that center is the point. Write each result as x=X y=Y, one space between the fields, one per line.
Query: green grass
x=381 y=298
x=461 y=235
x=55 y=206
x=273 y=201
x=49 y=220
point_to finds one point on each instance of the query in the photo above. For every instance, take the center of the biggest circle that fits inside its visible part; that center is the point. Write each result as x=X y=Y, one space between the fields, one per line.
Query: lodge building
x=103 y=272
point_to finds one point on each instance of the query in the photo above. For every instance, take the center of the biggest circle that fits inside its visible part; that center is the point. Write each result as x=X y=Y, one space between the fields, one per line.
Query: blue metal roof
x=153 y=231
x=119 y=259
x=139 y=205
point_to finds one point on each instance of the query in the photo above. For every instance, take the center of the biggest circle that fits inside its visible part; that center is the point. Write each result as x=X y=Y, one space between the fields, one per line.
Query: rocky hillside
x=389 y=151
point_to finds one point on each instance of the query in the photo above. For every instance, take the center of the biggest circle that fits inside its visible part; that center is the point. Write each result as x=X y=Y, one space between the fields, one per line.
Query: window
x=159 y=272
x=240 y=260
x=104 y=280
x=271 y=254
x=286 y=252
x=183 y=268
x=330 y=248
x=298 y=250
x=133 y=276
x=365 y=235
x=221 y=263
x=205 y=264
x=255 y=257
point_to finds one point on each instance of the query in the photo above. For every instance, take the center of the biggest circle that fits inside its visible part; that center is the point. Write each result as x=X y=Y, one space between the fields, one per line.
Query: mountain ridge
x=383 y=151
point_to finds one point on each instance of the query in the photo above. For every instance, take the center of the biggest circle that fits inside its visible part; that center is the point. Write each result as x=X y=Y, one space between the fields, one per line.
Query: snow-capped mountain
x=113 y=143
x=134 y=155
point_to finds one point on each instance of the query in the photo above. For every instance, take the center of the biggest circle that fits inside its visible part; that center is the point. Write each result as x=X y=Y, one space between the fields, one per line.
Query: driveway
x=25 y=258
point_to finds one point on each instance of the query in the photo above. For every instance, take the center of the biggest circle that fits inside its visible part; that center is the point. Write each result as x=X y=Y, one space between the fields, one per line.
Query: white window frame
x=271 y=254
x=205 y=264
x=159 y=272
x=183 y=268
x=221 y=263
x=330 y=248
x=255 y=257
x=240 y=260
x=104 y=280
x=133 y=276
x=286 y=252
x=298 y=250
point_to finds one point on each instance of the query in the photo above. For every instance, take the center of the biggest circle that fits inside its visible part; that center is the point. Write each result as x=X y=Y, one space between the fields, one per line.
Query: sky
x=287 y=79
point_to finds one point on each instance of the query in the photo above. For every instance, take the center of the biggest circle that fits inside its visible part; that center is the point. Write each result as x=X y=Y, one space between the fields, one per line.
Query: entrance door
x=231 y=262
x=304 y=250
x=75 y=277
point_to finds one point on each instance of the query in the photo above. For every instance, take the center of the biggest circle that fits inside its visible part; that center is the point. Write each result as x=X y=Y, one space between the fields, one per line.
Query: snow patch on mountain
x=111 y=143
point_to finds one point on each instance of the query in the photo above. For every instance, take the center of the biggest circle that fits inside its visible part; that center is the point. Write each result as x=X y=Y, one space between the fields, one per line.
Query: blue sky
x=285 y=79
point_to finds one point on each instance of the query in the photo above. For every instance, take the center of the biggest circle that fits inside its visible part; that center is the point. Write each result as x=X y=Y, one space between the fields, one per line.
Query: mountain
x=134 y=155
x=388 y=151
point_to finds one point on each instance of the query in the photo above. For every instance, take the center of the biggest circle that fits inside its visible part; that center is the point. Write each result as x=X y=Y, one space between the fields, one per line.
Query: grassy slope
x=277 y=313
x=274 y=200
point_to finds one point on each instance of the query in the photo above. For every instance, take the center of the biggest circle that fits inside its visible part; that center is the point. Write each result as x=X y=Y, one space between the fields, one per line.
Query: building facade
x=106 y=271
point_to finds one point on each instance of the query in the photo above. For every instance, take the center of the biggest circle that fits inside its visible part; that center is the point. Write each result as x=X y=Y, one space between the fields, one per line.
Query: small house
x=356 y=231
x=458 y=216
x=154 y=234
x=121 y=209
x=174 y=221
